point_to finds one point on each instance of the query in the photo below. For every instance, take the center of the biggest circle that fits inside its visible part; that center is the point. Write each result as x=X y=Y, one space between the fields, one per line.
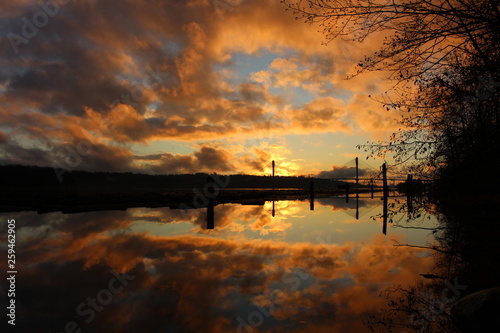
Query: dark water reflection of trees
x=466 y=256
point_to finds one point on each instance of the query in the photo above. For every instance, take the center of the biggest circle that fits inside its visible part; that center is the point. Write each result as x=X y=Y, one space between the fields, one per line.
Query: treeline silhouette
x=26 y=180
x=30 y=188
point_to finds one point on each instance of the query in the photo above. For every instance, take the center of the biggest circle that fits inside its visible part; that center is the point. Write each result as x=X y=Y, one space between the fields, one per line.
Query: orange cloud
x=155 y=70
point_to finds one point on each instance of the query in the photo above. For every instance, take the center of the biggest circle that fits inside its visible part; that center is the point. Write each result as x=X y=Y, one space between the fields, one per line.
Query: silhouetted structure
x=357 y=206
x=386 y=194
x=210 y=189
x=409 y=193
x=357 y=177
x=311 y=195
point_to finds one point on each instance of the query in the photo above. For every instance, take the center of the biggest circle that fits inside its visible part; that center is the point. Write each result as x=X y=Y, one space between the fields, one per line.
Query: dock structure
x=364 y=178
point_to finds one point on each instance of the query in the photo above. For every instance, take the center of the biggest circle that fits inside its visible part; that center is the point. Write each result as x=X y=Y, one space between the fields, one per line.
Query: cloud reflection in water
x=189 y=279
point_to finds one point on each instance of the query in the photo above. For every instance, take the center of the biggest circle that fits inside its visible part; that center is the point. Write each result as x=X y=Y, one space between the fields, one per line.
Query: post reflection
x=188 y=278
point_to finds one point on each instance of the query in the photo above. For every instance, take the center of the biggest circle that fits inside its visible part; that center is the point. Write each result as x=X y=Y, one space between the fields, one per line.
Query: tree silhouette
x=421 y=34
x=444 y=59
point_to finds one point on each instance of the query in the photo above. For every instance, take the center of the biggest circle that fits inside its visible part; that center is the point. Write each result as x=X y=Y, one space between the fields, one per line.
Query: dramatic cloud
x=207 y=159
x=144 y=71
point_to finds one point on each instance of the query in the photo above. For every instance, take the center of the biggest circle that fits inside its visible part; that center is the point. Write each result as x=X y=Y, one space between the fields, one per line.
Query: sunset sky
x=177 y=86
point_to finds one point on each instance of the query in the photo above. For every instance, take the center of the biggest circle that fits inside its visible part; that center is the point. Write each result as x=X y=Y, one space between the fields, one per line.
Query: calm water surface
x=161 y=270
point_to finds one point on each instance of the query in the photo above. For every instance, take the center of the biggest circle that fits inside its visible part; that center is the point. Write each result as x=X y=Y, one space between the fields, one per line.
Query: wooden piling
x=357 y=177
x=384 y=175
x=272 y=180
x=357 y=207
x=384 y=227
x=311 y=195
x=386 y=194
x=210 y=206
x=409 y=193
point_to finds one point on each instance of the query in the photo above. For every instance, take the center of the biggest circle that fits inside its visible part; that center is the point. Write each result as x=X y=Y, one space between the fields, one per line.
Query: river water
x=162 y=270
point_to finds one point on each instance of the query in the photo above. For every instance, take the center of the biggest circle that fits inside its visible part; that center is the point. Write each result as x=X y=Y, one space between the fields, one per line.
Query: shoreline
x=174 y=199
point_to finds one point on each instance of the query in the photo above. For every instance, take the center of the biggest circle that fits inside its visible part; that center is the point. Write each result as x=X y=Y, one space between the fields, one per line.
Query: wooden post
x=357 y=176
x=311 y=195
x=409 y=193
x=384 y=227
x=384 y=175
x=357 y=207
x=409 y=184
x=347 y=192
x=210 y=205
x=273 y=212
x=372 y=187
x=272 y=180
x=386 y=194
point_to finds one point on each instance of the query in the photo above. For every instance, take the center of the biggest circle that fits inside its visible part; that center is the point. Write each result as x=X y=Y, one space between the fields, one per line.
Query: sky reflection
x=301 y=270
